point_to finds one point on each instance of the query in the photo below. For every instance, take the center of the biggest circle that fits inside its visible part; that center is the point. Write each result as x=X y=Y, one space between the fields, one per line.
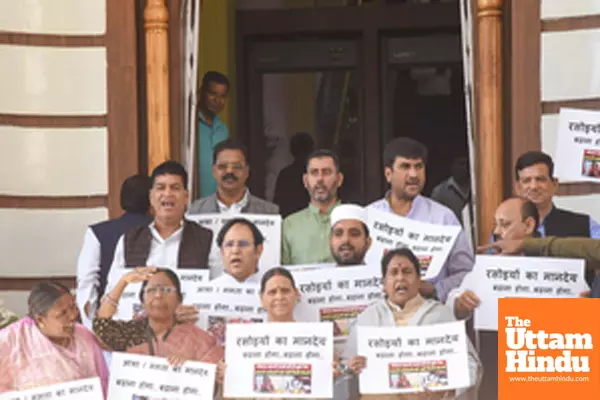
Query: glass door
x=423 y=98
x=311 y=90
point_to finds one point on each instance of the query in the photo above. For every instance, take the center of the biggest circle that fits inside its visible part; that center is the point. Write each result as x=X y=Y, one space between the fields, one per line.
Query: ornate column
x=156 y=24
x=489 y=133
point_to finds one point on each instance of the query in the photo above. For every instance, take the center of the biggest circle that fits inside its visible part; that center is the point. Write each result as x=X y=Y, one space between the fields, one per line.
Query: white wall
x=49 y=81
x=570 y=70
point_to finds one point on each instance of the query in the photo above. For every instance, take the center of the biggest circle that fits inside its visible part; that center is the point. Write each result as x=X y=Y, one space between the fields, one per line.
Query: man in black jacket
x=535 y=181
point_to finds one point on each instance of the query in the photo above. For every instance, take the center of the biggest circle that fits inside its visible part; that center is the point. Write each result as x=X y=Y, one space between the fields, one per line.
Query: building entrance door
x=334 y=73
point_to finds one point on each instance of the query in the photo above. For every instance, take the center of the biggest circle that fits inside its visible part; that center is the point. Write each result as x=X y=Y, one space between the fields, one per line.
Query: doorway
x=423 y=98
x=335 y=73
x=303 y=87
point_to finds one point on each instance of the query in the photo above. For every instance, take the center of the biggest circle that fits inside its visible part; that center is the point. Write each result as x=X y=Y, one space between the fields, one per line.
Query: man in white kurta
x=168 y=198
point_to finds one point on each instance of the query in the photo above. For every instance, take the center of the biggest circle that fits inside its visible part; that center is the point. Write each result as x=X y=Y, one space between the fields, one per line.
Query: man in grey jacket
x=231 y=170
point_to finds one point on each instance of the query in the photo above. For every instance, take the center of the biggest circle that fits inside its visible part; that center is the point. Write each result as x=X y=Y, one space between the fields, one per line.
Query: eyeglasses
x=242 y=244
x=235 y=166
x=153 y=290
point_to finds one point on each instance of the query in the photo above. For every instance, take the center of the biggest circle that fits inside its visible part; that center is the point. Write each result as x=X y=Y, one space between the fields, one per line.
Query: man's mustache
x=231 y=177
x=412 y=182
x=346 y=246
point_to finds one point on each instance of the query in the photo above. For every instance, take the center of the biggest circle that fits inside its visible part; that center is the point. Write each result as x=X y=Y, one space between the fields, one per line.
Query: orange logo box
x=548 y=349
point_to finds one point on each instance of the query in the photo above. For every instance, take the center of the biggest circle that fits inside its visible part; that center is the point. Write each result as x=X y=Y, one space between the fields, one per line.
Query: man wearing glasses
x=241 y=244
x=230 y=170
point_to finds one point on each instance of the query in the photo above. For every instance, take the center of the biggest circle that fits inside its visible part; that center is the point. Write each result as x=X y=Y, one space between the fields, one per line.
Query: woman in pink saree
x=48 y=347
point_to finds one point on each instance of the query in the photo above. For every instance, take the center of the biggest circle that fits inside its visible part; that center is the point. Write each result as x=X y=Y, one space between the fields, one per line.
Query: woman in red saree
x=48 y=347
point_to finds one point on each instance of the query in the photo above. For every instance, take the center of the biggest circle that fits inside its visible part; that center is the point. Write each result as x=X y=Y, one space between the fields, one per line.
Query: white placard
x=269 y=226
x=430 y=243
x=309 y=267
x=221 y=305
x=85 y=389
x=136 y=375
x=578 y=146
x=130 y=305
x=404 y=359
x=275 y=360
x=336 y=295
x=494 y=277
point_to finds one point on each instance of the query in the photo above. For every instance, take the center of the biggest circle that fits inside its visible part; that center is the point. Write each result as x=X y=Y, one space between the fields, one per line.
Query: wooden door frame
x=122 y=96
x=368 y=22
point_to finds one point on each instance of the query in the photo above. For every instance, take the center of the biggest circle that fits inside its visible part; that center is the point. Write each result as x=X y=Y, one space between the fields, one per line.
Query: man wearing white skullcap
x=349 y=237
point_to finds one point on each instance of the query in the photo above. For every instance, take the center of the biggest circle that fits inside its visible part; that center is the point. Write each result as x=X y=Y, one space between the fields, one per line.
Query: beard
x=325 y=196
x=402 y=194
x=355 y=258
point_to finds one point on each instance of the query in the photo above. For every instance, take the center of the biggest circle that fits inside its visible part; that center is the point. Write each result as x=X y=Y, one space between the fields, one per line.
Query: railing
x=489 y=133
x=156 y=24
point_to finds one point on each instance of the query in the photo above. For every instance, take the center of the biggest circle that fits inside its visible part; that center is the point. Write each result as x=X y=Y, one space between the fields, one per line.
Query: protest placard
x=495 y=277
x=309 y=267
x=84 y=389
x=290 y=360
x=578 y=146
x=222 y=305
x=430 y=243
x=336 y=295
x=133 y=376
x=405 y=359
x=269 y=226
x=130 y=305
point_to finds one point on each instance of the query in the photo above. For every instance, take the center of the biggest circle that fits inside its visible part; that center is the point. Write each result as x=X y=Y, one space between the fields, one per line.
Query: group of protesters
x=67 y=337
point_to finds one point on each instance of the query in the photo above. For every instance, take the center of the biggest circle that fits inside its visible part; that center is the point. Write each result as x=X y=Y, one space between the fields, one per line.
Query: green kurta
x=306 y=237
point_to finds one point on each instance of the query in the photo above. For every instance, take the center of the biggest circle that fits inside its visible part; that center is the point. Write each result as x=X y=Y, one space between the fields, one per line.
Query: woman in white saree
x=404 y=306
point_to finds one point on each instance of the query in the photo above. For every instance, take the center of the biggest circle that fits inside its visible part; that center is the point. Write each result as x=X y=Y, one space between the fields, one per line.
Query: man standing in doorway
x=290 y=194
x=404 y=166
x=306 y=232
x=211 y=130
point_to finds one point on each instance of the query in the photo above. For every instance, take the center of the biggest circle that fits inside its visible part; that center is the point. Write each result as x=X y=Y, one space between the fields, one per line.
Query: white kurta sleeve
x=117 y=266
x=88 y=271
x=452 y=296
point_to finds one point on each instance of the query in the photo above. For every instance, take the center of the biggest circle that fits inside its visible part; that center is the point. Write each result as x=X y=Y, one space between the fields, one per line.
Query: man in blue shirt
x=211 y=130
x=404 y=161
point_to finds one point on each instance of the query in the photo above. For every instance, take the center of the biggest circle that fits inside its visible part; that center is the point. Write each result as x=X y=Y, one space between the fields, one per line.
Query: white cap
x=348 y=211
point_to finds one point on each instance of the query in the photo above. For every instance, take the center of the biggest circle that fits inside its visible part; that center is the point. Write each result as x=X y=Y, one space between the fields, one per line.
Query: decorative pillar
x=156 y=24
x=489 y=133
